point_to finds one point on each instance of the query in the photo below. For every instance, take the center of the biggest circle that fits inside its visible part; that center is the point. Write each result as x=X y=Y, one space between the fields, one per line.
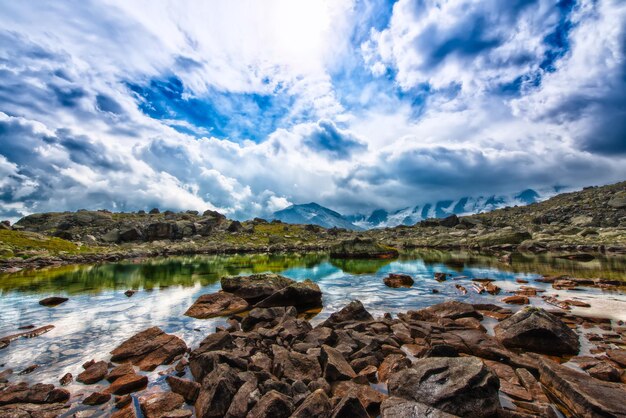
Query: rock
x=398 y=280
x=362 y=248
x=130 y=292
x=273 y=404
x=449 y=221
x=516 y=300
x=397 y=407
x=30 y=410
x=349 y=406
x=127 y=384
x=441 y=277
x=369 y=397
x=216 y=304
x=53 y=301
x=335 y=365
x=618 y=356
x=149 y=348
x=66 y=379
x=392 y=364
x=537 y=330
x=316 y=404
x=94 y=373
x=161 y=405
x=605 y=371
x=188 y=389
x=235 y=226
x=39 y=393
x=245 y=398
x=218 y=389
x=267 y=317
x=618 y=201
x=97 y=398
x=130 y=234
x=581 y=394
x=461 y=386
x=119 y=371
x=294 y=366
x=302 y=295
x=256 y=287
x=354 y=311
x=451 y=310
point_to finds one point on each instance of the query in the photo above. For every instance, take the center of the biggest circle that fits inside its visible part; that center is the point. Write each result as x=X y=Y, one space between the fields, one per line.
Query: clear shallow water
x=98 y=316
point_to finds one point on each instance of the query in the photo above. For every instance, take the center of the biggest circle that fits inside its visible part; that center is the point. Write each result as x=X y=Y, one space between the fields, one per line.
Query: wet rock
x=335 y=365
x=362 y=248
x=245 y=398
x=605 y=371
x=267 y=317
x=349 y=406
x=305 y=294
x=516 y=300
x=256 y=287
x=461 y=386
x=162 y=405
x=369 y=397
x=391 y=364
x=130 y=292
x=354 y=311
x=30 y=410
x=53 y=301
x=295 y=366
x=537 y=330
x=119 y=371
x=188 y=389
x=580 y=393
x=29 y=369
x=127 y=384
x=97 y=398
x=397 y=407
x=618 y=356
x=38 y=393
x=149 y=349
x=441 y=277
x=398 y=280
x=94 y=373
x=273 y=404
x=218 y=389
x=316 y=404
x=216 y=304
x=450 y=310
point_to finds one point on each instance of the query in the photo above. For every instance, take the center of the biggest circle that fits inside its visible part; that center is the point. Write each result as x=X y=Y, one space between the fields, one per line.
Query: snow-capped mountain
x=312 y=213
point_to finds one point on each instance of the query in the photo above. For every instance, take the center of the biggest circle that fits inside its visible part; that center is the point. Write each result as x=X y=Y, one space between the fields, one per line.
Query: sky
x=247 y=107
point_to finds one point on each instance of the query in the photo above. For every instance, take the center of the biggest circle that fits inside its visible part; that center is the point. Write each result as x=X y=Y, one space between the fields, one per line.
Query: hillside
x=313 y=214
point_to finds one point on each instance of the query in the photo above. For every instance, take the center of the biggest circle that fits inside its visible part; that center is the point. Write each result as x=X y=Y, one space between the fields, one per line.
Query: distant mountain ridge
x=313 y=213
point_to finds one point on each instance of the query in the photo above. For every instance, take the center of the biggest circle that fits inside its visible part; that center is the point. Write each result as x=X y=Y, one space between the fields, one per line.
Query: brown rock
x=188 y=389
x=53 y=301
x=516 y=300
x=38 y=393
x=149 y=349
x=119 y=371
x=218 y=389
x=97 y=398
x=353 y=312
x=245 y=398
x=302 y=295
x=605 y=371
x=393 y=407
x=293 y=366
x=398 y=280
x=369 y=397
x=618 y=356
x=335 y=365
x=392 y=363
x=256 y=287
x=349 y=406
x=66 y=379
x=127 y=384
x=316 y=404
x=273 y=404
x=161 y=405
x=451 y=310
x=94 y=373
x=216 y=304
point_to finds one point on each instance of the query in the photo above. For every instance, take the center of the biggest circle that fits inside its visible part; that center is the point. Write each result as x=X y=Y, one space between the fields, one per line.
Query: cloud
x=326 y=138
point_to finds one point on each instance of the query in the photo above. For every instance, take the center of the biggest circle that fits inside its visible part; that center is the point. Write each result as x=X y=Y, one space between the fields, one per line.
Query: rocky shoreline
x=268 y=360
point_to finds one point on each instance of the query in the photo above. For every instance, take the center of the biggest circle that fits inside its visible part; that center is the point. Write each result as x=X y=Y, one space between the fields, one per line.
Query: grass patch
x=19 y=241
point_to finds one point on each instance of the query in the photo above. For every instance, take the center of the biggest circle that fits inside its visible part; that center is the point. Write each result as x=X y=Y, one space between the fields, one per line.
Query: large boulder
x=161 y=230
x=149 y=349
x=362 y=248
x=461 y=386
x=580 y=393
x=256 y=287
x=218 y=390
x=216 y=304
x=305 y=294
x=535 y=329
x=398 y=280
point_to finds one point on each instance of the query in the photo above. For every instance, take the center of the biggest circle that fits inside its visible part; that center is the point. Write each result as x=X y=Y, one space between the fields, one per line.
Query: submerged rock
x=535 y=329
x=398 y=280
x=53 y=301
x=216 y=304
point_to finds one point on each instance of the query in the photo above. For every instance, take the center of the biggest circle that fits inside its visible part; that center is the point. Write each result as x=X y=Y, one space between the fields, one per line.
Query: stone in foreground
x=398 y=407
x=216 y=304
x=535 y=329
x=149 y=349
x=461 y=386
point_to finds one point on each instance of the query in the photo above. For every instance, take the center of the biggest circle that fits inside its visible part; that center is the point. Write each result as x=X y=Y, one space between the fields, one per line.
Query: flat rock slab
x=216 y=304
x=149 y=348
x=580 y=393
x=256 y=287
x=94 y=373
x=535 y=329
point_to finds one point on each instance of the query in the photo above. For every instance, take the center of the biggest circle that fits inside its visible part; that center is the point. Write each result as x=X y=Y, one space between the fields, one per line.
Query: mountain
x=380 y=218
x=312 y=213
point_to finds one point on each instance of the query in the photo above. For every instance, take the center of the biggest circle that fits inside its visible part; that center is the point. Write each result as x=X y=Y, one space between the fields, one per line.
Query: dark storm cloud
x=327 y=139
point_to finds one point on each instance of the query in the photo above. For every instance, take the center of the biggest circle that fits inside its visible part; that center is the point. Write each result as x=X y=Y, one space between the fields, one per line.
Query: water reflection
x=99 y=316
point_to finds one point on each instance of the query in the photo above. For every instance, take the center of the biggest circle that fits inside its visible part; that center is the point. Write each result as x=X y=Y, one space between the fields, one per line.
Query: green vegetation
x=17 y=242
